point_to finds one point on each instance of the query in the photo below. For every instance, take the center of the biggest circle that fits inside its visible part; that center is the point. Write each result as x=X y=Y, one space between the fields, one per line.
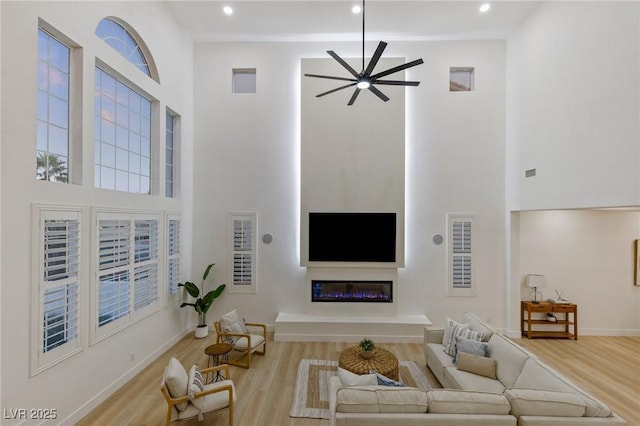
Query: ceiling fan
x=365 y=79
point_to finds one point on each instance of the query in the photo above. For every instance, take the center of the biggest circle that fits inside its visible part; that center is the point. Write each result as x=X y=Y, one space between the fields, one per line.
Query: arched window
x=124 y=40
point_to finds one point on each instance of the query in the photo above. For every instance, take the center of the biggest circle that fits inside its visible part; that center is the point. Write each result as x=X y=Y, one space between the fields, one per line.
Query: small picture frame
x=636 y=257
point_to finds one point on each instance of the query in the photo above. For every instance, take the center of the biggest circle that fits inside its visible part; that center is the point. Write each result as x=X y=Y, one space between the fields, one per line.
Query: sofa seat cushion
x=450 y=401
x=472 y=382
x=533 y=402
x=380 y=399
x=510 y=359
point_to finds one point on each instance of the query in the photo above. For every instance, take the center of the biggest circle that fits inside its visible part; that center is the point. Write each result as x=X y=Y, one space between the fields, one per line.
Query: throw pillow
x=196 y=384
x=470 y=346
x=177 y=381
x=229 y=318
x=237 y=327
x=456 y=328
x=385 y=381
x=347 y=378
x=447 y=330
x=477 y=364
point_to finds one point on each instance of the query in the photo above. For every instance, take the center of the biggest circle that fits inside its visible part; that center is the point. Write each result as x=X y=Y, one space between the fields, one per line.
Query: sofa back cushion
x=477 y=325
x=380 y=399
x=510 y=359
x=531 y=402
x=450 y=401
x=537 y=375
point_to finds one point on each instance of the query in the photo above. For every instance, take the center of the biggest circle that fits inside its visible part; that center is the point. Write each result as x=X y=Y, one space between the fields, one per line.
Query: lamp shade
x=536 y=280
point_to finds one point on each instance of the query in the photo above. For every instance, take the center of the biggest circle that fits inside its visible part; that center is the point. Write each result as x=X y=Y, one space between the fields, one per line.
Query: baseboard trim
x=515 y=334
x=99 y=398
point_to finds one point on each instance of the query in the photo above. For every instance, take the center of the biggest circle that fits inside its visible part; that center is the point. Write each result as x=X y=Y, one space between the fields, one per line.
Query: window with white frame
x=172 y=155
x=243 y=252
x=56 y=332
x=173 y=254
x=460 y=255
x=122 y=136
x=54 y=97
x=122 y=41
x=127 y=272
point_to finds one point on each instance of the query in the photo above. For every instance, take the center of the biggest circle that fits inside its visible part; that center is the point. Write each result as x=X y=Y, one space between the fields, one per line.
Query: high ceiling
x=328 y=20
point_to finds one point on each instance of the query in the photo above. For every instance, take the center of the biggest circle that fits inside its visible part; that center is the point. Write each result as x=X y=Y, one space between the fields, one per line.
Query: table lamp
x=535 y=281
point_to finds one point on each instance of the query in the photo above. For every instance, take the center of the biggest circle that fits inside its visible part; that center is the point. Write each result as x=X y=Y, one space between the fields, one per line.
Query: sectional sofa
x=507 y=385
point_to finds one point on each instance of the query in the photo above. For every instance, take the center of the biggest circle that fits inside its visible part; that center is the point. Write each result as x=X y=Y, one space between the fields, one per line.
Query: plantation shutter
x=243 y=230
x=460 y=256
x=114 y=254
x=146 y=261
x=173 y=263
x=61 y=250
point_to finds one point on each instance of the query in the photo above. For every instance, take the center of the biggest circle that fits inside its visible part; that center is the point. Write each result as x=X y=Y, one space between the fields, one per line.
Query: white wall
x=248 y=158
x=573 y=106
x=77 y=384
x=589 y=256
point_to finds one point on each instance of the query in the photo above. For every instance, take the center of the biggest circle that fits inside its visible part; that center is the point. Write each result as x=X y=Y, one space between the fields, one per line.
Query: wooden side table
x=382 y=361
x=218 y=354
x=566 y=327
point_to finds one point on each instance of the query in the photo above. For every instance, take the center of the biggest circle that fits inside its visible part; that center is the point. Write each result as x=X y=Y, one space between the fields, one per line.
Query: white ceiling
x=328 y=20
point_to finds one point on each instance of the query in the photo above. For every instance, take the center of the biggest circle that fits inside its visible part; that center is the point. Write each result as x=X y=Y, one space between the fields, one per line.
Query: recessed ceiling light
x=356 y=9
x=227 y=10
x=485 y=7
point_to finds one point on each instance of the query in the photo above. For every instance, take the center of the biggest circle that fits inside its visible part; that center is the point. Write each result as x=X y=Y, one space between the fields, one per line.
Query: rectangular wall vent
x=530 y=173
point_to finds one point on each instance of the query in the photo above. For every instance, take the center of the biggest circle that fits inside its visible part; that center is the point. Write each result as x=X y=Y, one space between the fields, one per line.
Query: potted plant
x=366 y=348
x=202 y=304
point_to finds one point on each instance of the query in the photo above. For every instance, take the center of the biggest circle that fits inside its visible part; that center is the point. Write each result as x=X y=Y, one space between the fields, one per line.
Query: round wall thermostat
x=437 y=239
x=267 y=238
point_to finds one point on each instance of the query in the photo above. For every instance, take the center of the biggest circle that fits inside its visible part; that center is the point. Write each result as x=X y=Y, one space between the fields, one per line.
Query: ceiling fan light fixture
x=363 y=84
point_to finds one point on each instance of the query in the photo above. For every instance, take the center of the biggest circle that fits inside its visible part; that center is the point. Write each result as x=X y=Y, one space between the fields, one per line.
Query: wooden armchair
x=216 y=396
x=247 y=343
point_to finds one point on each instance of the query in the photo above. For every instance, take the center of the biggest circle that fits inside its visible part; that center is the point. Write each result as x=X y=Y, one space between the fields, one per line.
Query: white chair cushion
x=242 y=343
x=177 y=381
x=212 y=402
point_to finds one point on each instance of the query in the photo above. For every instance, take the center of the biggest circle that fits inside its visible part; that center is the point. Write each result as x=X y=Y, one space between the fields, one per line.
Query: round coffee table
x=382 y=361
x=218 y=355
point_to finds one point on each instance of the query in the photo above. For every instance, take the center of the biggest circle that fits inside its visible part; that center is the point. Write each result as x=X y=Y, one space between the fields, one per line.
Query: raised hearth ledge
x=314 y=328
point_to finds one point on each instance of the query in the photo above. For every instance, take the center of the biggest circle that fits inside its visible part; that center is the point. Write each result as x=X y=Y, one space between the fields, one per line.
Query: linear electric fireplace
x=352 y=291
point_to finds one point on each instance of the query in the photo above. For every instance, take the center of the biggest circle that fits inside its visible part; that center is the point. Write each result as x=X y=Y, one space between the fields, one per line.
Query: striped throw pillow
x=196 y=384
x=454 y=330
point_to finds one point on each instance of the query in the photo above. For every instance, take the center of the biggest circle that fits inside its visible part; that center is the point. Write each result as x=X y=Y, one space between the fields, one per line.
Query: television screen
x=352 y=237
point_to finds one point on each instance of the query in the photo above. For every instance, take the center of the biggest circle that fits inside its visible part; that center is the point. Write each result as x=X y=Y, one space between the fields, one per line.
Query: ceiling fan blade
x=378 y=93
x=396 y=82
x=354 y=96
x=330 y=77
x=398 y=68
x=341 y=61
x=375 y=58
x=336 y=89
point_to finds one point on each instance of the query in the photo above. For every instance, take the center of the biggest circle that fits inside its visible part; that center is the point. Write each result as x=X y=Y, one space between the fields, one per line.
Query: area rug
x=311 y=397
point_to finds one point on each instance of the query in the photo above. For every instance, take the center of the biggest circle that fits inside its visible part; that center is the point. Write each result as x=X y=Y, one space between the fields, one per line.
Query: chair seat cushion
x=212 y=402
x=241 y=344
x=177 y=381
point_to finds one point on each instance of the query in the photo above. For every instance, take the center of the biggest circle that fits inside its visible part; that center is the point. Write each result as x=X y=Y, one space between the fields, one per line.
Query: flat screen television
x=352 y=237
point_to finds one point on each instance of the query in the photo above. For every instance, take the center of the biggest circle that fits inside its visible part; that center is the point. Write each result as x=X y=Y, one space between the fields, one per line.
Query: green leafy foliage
x=367 y=344
x=201 y=304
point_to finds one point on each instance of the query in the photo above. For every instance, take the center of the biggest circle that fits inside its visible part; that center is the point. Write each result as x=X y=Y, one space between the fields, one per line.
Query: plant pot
x=202 y=331
x=366 y=354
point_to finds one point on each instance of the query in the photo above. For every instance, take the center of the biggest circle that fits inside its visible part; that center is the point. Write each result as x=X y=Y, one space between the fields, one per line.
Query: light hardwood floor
x=607 y=367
